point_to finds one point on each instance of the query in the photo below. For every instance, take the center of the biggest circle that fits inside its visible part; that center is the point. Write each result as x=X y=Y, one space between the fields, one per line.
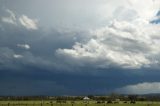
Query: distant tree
x=91 y=97
x=114 y=96
x=132 y=97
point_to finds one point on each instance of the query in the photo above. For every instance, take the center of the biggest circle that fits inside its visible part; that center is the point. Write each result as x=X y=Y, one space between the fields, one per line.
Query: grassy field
x=76 y=103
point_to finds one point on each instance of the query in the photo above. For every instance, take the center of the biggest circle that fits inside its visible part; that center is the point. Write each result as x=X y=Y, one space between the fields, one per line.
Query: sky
x=79 y=47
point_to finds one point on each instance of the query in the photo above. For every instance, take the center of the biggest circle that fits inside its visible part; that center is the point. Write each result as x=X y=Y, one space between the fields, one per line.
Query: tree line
x=110 y=97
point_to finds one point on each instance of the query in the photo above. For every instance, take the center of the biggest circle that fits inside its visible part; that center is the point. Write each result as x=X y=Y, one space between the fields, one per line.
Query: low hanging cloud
x=24 y=46
x=12 y=60
x=141 y=88
x=17 y=56
x=28 y=23
x=22 y=20
x=10 y=19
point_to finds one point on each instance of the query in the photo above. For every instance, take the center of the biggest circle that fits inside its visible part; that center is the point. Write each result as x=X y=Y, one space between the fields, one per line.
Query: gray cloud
x=32 y=48
x=123 y=44
x=127 y=42
x=79 y=46
x=10 y=19
x=22 y=20
x=24 y=46
x=28 y=23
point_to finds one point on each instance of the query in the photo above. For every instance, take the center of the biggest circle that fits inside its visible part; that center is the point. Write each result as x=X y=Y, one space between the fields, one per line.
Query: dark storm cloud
x=55 y=51
x=22 y=48
x=40 y=82
x=42 y=46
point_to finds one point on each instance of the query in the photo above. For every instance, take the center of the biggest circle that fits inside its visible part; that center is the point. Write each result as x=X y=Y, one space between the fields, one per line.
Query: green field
x=76 y=103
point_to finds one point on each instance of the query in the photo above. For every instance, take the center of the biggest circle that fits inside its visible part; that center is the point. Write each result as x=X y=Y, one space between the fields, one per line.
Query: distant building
x=86 y=98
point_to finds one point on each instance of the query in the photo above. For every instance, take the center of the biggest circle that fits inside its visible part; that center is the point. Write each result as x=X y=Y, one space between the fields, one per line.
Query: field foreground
x=75 y=103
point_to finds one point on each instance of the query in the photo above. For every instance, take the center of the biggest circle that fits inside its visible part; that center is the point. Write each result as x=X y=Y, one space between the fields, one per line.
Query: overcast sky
x=79 y=47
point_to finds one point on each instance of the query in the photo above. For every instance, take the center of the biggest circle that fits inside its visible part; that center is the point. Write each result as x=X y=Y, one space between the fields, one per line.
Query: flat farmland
x=75 y=103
